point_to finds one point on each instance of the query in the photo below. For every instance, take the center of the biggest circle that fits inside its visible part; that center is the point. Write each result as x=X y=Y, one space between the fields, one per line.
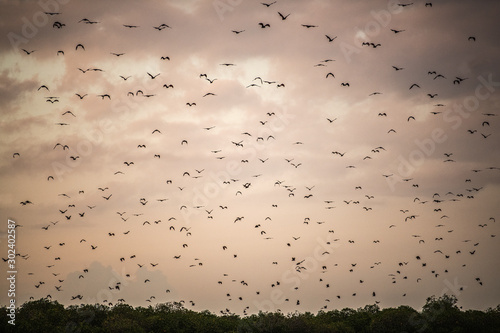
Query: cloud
x=257 y=147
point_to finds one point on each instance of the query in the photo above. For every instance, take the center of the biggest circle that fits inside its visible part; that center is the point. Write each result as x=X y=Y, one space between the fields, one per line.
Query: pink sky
x=265 y=152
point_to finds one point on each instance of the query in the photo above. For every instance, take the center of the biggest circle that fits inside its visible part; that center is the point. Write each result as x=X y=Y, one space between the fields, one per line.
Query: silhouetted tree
x=439 y=314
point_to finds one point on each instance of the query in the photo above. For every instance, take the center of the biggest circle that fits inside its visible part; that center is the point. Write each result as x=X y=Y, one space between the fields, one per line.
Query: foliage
x=439 y=314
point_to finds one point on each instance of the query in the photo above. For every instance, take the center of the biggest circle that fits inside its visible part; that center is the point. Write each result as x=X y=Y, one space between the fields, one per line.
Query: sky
x=241 y=156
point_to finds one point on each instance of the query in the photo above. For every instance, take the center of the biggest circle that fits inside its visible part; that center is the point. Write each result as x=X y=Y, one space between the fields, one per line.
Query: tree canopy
x=439 y=314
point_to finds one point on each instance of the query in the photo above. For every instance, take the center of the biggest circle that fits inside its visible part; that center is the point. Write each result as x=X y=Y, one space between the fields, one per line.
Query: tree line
x=439 y=314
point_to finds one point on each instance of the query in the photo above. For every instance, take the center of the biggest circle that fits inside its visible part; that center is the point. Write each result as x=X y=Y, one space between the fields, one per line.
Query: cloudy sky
x=241 y=156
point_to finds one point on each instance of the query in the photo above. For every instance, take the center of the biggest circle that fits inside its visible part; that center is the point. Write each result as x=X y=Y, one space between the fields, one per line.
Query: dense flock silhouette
x=198 y=188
